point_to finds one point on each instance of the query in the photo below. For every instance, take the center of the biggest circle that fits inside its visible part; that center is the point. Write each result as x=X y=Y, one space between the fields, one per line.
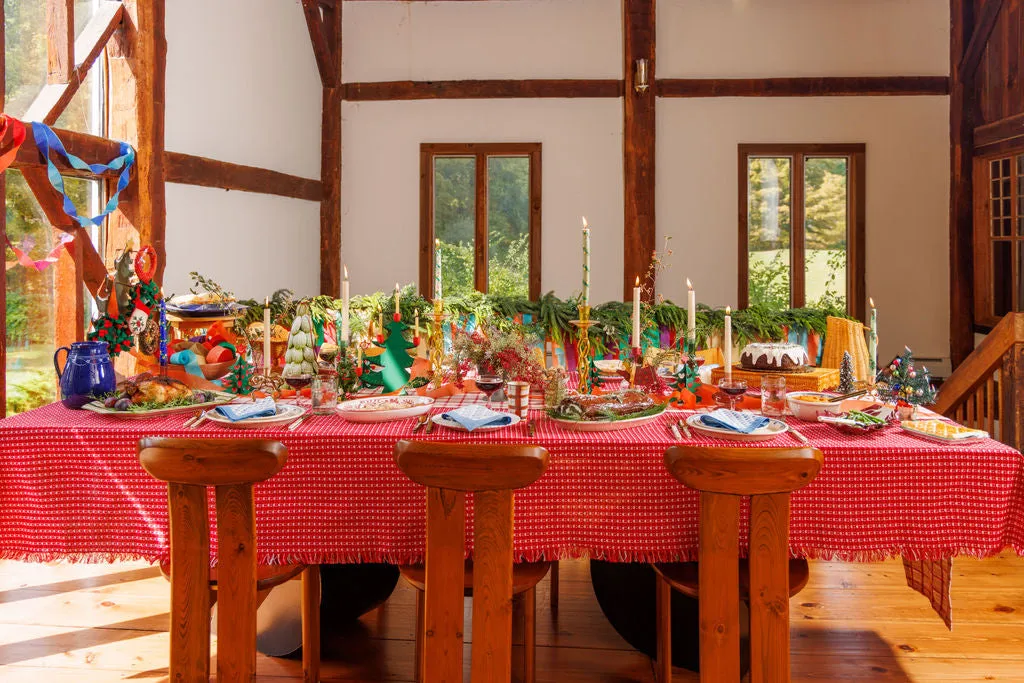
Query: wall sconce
x=640 y=83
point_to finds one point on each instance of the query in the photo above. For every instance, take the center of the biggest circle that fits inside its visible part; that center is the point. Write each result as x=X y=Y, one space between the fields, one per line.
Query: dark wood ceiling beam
x=832 y=86
x=54 y=98
x=982 y=31
x=1010 y=128
x=481 y=89
x=330 y=162
x=60 y=40
x=187 y=169
x=81 y=145
x=323 y=48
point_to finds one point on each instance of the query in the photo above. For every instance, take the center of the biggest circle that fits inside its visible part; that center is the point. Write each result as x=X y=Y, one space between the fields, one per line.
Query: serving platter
x=205 y=310
x=771 y=430
x=605 y=425
x=375 y=408
x=973 y=436
x=221 y=397
x=443 y=421
x=286 y=414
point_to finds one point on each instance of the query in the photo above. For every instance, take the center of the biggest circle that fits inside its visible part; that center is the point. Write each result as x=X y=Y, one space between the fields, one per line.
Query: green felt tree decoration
x=393 y=365
x=902 y=382
x=846 y=373
x=348 y=376
x=239 y=379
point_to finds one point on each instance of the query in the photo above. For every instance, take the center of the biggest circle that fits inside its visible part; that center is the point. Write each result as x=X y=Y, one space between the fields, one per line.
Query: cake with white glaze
x=773 y=356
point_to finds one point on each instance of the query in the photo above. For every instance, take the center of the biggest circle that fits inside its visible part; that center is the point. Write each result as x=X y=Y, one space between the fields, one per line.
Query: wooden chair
x=491 y=473
x=232 y=466
x=719 y=579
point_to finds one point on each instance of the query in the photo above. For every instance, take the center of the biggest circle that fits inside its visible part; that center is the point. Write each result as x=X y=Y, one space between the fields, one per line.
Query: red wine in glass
x=489 y=384
x=298 y=383
x=733 y=389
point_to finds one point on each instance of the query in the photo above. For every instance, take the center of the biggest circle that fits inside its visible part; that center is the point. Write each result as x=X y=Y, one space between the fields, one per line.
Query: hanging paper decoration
x=47 y=140
x=22 y=249
x=9 y=124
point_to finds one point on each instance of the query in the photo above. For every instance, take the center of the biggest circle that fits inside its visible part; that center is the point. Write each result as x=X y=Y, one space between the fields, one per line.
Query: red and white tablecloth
x=71 y=487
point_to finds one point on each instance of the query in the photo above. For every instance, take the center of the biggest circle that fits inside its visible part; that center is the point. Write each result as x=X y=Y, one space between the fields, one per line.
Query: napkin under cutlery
x=265 y=407
x=474 y=417
x=735 y=421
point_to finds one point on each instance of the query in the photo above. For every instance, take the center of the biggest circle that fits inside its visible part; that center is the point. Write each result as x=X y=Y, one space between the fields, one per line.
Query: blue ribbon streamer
x=46 y=140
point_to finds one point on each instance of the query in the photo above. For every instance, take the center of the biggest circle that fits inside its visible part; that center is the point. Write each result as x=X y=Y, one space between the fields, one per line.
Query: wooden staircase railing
x=987 y=390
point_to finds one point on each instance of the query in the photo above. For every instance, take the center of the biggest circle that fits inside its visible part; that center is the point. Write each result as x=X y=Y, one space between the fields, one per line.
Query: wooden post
x=60 y=40
x=638 y=143
x=1011 y=419
x=330 y=161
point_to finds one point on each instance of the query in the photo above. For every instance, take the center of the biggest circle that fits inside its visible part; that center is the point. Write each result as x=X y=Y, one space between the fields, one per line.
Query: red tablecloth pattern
x=71 y=487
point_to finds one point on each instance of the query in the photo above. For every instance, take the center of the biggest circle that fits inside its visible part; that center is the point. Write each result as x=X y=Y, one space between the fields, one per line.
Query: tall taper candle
x=873 y=342
x=636 y=314
x=343 y=333
x=416 y=329
x=691 y=312
x=727 y=343
x=437 y=270
x=266 y=335
x=398 y=294
x=586 y=262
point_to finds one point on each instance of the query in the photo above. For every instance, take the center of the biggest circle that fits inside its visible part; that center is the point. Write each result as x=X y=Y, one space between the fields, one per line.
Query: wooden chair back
x=492 y=472
x=232 y=466
x=723 y=476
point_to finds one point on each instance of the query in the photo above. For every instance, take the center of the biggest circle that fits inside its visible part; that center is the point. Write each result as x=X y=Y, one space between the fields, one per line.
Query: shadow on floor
x=79 y=639
x=86 y=582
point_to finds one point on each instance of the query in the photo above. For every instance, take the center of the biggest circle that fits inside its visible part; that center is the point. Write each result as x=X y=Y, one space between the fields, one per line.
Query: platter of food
x=775 y=357
x=609 y=412
x=203 y=305
x=859 y=422
x=148 y=396
x=286 y=413
x=944 y=432
x=768 y=432
x=384 y=408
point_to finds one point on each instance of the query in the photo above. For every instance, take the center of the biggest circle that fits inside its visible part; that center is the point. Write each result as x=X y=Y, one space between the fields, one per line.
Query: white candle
x=691 y=312
x=343 y=333
x=398 y=308
x=416 y=333
x=873 y=341
x=636 y=314
x=727 y=342
x=266 y=335
x=437 y=270
x=586 y=262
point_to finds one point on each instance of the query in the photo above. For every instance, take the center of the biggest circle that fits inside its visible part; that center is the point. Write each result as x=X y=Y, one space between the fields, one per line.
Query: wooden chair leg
x=554 y=586
x=418 y=656
x=664 y=626
x=311 y=624
x=530 y=635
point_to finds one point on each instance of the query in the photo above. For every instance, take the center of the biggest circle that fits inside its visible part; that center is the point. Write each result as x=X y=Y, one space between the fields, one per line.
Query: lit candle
x=691 y=312
x=380 y=324
x=636 y=314
x=266 y=335
x=343 y=334
x=359 y=353
x=416 y=329
x=727 y=342
x=873 y=342
x=586 y=262
x=437 y=270
x=398 y=308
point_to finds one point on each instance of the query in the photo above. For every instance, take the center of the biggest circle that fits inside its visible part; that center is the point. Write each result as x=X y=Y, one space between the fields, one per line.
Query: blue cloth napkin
x=474 y=416
x=734 y=421
x=265 y=407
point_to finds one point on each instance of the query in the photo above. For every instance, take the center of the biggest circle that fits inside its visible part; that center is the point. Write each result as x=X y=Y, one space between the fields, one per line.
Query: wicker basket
x=278 y=343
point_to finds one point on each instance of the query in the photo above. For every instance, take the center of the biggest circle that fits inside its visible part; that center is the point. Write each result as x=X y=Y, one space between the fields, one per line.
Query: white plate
x=974 y=438
x=220 y=398
x=440 y=419
x=346 y=409
x=286 y=414
x=771 y=430
x=606 y=425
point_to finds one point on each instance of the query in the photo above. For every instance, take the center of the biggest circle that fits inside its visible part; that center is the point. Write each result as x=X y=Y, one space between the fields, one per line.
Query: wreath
x=114 y=329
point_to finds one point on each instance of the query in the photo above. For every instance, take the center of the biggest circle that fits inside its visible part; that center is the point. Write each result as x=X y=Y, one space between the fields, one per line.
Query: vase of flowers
x=506 y=352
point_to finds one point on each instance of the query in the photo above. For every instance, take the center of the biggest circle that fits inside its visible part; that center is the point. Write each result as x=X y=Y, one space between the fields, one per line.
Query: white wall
x=242 y=86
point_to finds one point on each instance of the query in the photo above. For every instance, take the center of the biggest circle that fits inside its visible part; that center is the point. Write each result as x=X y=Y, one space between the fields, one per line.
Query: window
x=998 y=236
x=801 y=226
x=482 y=202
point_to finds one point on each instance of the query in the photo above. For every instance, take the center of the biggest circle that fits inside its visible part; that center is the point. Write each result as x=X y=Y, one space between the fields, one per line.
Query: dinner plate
x=286 y=414
x=440 y=419
x=100 y=409
x=771 y=430
x=373 y=409
x=606 y=425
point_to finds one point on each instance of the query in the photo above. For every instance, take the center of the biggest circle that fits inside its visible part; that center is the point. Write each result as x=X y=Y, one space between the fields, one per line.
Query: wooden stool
x=723 y=475
x=492 y=473
x=232 y=466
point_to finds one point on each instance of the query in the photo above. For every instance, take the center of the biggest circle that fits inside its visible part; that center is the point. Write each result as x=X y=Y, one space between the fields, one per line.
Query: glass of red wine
x=733 y=390
x=489 y=384
x=298 y=383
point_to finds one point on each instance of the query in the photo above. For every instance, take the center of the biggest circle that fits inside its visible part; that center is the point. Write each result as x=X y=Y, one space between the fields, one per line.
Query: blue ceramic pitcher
x=88 y=373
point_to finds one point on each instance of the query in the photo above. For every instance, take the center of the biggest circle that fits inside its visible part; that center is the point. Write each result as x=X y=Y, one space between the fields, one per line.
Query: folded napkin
x=735 y=421
x=265 y=407
x=475 y=416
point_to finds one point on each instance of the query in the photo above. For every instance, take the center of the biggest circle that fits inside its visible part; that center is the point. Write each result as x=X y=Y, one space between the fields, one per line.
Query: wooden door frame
x=984 y=320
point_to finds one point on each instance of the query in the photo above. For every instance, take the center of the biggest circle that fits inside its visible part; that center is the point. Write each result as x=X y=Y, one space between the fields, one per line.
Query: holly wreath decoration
x=119 y=330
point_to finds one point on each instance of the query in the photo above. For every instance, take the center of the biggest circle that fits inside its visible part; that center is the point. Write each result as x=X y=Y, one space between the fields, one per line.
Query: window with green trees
x=482 y=203
x=802 y=226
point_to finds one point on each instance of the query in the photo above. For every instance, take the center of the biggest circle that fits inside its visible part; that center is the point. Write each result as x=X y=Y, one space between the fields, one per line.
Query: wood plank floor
x=88 y=623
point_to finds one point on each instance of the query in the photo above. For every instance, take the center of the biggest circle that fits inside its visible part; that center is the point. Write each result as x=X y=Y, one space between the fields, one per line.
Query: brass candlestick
x=436 y=344
x=586 y=382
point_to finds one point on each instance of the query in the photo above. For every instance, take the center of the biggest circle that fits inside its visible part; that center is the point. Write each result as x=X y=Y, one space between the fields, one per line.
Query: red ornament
x=102 y=333
x=380 y=338
x=359 y=372
x=416 y=341
x=397 y=318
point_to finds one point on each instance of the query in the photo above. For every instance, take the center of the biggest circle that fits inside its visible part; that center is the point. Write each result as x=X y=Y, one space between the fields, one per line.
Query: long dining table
x=71 y=488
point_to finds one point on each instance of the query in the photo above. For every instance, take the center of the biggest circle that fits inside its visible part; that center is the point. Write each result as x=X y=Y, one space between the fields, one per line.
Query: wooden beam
x=54 y=98
x=60 y=40
x=187 y=169
x=330 y=164
x=803 y=87
x=322 y=49
x=982 y=31
x=1009 y=129
x=482 y=89
x=81 y=145
x=638 y=148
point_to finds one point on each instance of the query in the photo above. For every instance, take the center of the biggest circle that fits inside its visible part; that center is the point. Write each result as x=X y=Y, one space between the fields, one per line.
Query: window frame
x=480 y=151
x=984 y=317
x=855 y=154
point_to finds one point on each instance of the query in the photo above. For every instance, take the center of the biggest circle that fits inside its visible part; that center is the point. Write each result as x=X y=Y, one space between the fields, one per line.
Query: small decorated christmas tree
x=846 y=373
x=392 y=372
x=239 y=379
x=902 y=382
x=348 y=376
x=300 y=358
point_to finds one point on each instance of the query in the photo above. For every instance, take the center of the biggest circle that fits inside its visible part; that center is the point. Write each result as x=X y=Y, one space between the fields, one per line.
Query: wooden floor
x=87 y=623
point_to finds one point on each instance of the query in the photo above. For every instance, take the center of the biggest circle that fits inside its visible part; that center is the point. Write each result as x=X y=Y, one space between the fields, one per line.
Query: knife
x=799 y=437
x=430 y=427
x=298 y=421
x=420 y=422
x=531 y=428
x=685 y=428
x=675 y=432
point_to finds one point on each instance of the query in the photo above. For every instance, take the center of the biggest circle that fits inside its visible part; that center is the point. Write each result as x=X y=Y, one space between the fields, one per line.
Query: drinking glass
x=733 y=390
x=298 y=383
x=773 y=395
x=489 y=384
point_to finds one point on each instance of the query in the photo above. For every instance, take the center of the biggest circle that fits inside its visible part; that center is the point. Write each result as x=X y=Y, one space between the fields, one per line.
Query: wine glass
x=298 y=383
x=489 y=384
x=733 y=390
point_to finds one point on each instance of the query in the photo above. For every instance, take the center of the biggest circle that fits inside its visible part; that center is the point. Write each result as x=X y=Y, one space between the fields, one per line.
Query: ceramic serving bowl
x=809 y=410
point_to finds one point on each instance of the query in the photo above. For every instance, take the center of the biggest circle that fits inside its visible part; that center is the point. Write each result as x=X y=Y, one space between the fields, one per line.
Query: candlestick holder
x=435 y=344
x=638 y=358
x=584 y=323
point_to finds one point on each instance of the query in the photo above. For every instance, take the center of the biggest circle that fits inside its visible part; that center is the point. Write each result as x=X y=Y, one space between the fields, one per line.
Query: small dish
x=286 y=413
x=441 y=420
x=771 y=430
x=809 y=410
